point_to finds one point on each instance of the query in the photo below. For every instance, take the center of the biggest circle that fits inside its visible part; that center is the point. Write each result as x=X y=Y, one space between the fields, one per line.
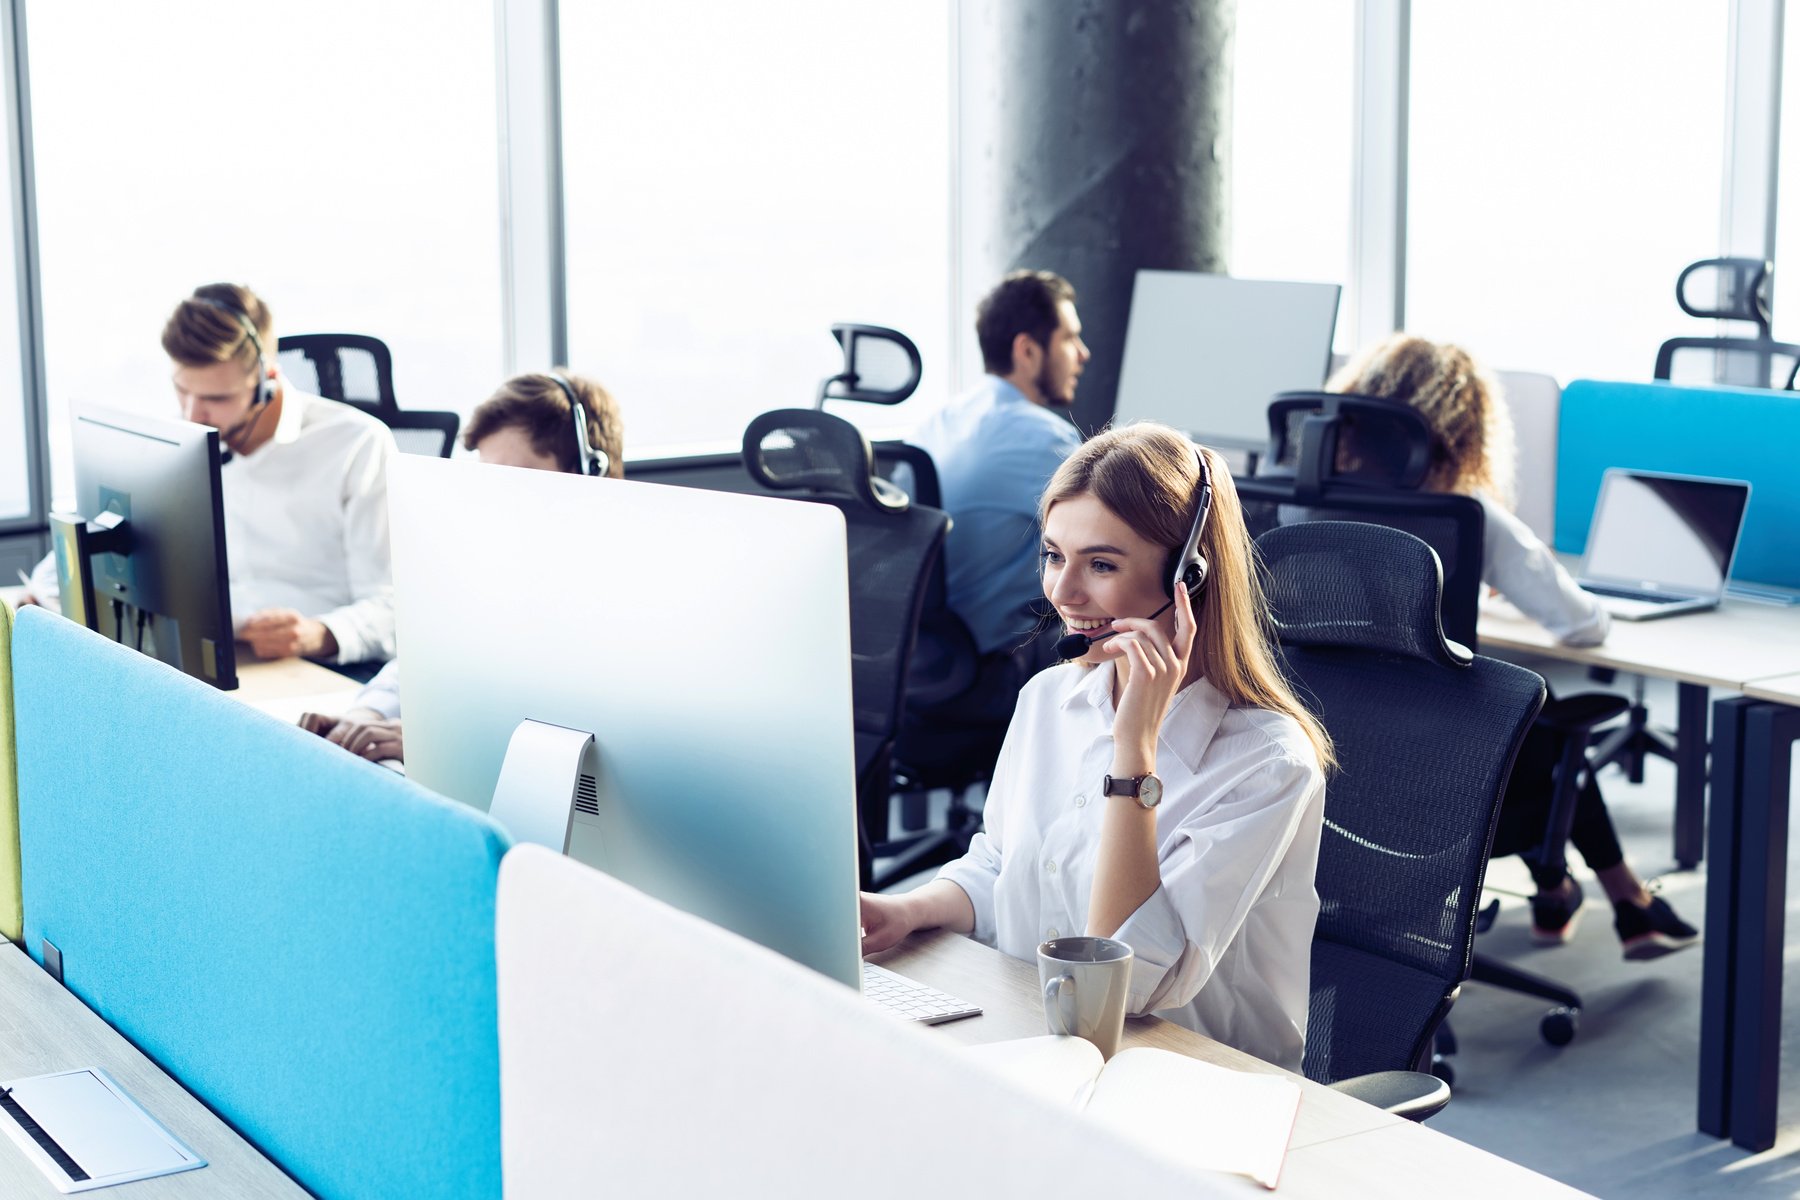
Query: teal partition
x=1733 y=433
x=10 y=917
x=303 y=939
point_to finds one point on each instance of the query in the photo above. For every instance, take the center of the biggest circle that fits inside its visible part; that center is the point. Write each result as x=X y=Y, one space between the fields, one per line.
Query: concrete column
x=1093 y=140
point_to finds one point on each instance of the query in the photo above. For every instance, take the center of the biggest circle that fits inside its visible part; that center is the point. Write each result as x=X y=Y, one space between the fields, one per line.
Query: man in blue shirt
x=995 y=448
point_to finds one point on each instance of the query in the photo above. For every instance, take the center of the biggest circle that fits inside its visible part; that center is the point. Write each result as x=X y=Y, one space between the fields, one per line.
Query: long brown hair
x=1147 y=474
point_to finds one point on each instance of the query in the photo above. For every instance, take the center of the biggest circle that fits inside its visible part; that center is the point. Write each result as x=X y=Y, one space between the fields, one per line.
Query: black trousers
x=1525 y=813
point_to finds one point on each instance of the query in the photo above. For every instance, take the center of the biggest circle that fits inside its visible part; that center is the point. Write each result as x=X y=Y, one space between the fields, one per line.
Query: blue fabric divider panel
x=10 y=917
x=303 y=939
x=1729 y=433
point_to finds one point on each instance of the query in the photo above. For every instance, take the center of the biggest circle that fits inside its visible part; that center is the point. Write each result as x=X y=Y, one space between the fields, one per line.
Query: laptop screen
x=1665 y=533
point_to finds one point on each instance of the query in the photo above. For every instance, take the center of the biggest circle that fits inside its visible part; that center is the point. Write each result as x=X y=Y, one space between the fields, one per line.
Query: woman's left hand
x=1158 y=662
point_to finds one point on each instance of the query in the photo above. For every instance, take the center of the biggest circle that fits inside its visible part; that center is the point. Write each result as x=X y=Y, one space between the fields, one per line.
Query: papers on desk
x=84 y=1132
x=1194 y=1112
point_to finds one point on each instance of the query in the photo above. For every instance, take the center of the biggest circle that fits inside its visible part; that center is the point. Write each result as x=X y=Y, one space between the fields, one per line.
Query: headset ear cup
x=1195 y=577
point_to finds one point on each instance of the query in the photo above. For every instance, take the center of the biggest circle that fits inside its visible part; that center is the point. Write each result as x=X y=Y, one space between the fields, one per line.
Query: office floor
x=1613 y=1112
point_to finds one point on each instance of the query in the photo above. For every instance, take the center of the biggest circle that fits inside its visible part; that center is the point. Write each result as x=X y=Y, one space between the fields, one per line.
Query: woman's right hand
x=886 y=921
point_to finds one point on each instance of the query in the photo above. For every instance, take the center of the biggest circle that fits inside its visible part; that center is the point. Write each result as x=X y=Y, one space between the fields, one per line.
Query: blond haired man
x=305 y=488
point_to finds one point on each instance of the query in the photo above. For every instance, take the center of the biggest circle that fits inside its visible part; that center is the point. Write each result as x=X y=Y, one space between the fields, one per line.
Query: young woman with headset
x=545 y=421
x=1165 y=787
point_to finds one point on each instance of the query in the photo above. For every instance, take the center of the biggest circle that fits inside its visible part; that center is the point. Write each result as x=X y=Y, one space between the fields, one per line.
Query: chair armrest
x=1579 y=714
x=1410 y=1094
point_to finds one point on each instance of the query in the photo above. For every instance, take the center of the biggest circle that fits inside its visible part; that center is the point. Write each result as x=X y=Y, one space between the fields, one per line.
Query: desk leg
x=1769 y=733
x=1690 y=774
x=1718 y=945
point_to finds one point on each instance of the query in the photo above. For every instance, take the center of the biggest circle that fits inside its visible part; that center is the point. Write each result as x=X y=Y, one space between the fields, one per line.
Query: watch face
x=1150 y=792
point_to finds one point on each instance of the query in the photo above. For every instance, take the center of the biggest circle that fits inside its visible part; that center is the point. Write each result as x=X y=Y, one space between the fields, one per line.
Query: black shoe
x=1651 y=931
x=1554 y=915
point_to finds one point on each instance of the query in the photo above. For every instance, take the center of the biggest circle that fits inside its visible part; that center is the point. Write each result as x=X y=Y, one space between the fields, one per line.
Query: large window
x=1787 y=210
x=1565 y=164
x=1292 y=135
x=340 y=157
x=740 y=176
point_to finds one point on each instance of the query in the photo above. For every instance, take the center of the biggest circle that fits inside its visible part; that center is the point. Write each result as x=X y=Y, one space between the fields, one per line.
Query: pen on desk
x=23 y=577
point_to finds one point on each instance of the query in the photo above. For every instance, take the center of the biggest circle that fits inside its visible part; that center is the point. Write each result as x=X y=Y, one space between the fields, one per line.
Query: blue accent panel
x=303 y=939
x=1731 y=433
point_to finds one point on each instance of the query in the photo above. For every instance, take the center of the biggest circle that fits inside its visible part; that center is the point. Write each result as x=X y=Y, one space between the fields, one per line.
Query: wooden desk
x=287 y=687
x=44 y=1028
x=1744 y=647
x=1340 y=1146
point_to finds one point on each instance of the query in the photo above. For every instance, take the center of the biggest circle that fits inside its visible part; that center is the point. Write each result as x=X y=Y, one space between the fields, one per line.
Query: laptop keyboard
x=910 y=1000
x=1630 y=594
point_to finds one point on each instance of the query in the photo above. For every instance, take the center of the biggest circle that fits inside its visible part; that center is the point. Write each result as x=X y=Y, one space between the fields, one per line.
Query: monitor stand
x=544 y=772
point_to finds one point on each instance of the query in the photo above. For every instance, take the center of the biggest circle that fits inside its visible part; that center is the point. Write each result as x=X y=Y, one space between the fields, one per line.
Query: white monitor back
x=1535 y=402
x=643 y=1053
x=1206 y=353
x=703 y=638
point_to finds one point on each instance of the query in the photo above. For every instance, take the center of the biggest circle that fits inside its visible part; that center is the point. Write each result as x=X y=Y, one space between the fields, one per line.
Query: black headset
x=1188 y=565
x=593 y=460
x=265 y=383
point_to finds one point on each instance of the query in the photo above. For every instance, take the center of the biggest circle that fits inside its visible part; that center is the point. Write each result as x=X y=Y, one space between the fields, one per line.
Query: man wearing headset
x=548 y=421
x=305 y=488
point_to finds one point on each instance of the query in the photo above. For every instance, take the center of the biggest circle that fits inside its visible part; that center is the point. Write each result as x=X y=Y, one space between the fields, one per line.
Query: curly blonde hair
x=1471 y=428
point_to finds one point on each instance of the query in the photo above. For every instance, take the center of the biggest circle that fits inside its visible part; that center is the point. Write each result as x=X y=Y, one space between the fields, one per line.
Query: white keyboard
x=910 y=1000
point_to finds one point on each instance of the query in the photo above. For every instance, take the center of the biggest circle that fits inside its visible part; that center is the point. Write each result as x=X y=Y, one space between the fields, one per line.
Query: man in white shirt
x=305 y=489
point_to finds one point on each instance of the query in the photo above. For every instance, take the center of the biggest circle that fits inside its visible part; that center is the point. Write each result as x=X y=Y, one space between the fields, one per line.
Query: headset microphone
x=590 y=459
x=1076 y=644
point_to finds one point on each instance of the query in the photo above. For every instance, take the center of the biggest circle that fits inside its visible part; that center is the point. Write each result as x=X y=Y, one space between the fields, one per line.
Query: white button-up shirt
x=1515 y=563
x=1225 y=943
x=306 y=525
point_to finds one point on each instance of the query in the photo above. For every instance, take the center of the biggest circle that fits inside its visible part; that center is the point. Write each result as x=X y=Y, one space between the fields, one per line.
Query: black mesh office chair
x=894 y=547
x=1387 y=445
x=358 y=370
x=1729 y=289
x=1425 y=734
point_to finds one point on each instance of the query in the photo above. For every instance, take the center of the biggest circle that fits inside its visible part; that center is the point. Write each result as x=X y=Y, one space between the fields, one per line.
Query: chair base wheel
x=1559 y=1025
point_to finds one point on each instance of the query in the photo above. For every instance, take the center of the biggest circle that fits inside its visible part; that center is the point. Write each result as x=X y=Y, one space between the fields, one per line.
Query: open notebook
x=1205 y=1116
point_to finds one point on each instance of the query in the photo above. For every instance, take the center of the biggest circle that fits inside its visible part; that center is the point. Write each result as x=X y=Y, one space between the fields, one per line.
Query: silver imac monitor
x=703 y=638
x=1206 y=353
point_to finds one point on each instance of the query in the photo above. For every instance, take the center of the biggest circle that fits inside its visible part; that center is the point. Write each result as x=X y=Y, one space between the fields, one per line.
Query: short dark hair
x=1024 y=302
x=534 y=403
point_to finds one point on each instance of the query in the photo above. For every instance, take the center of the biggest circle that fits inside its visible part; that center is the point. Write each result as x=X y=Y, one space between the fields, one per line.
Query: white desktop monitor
x=1206 y=353
x=703 y=638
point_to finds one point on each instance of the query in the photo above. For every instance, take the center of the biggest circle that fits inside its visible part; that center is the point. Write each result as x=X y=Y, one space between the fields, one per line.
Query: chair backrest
x=1388 y=446
x=352 y=368
x=420 y=432
x=894 y=546
x=1741 y=362
x=1425 y=737
x=358 y=370
x=1728 y=289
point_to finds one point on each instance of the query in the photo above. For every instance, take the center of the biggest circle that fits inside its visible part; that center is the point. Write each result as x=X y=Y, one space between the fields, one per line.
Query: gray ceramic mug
x=1086 y=982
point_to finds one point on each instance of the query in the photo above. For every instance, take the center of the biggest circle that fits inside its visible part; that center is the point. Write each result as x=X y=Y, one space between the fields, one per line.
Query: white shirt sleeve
x=44 y=583
x=382 y=693
x=1521 y=568
x=1215 y=868
x=364 y=628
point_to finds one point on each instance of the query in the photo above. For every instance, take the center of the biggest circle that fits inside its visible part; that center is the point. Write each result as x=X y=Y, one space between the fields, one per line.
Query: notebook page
x=1057 y=1068
x=1203 y=1115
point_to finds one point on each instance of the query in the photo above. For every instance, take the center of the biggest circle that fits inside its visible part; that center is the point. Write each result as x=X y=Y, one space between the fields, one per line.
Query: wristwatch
x=1147 y=789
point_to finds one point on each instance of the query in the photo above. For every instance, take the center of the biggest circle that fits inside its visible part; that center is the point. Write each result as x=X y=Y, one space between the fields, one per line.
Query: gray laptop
x=1662 y=544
